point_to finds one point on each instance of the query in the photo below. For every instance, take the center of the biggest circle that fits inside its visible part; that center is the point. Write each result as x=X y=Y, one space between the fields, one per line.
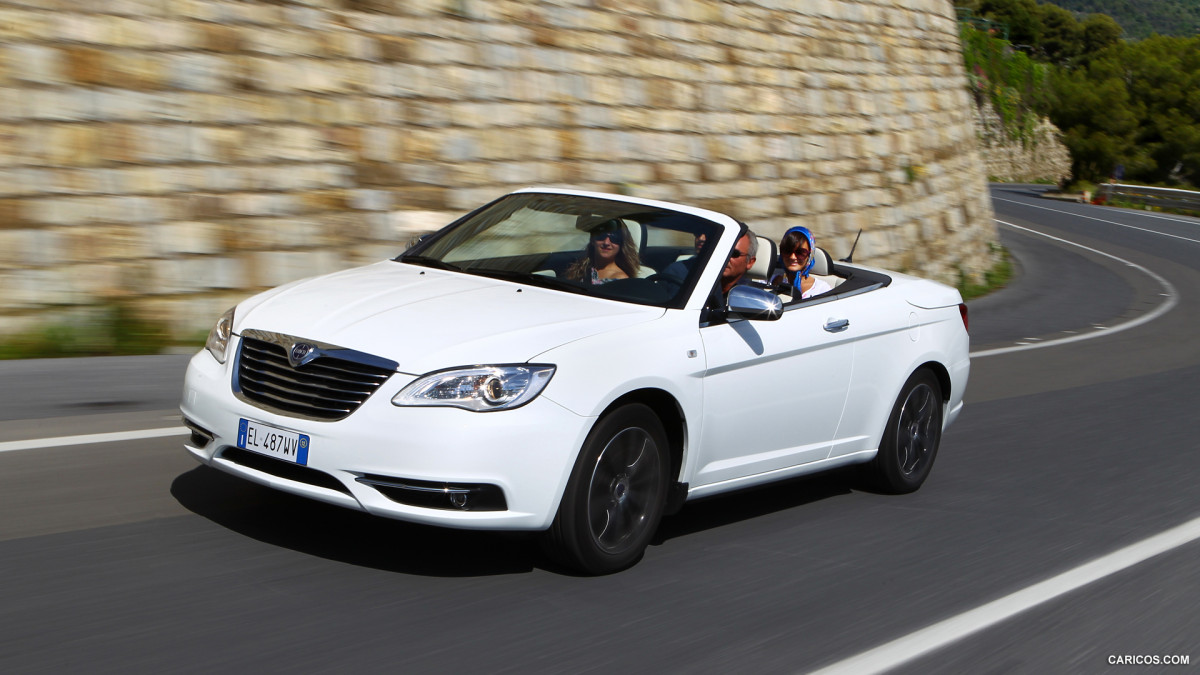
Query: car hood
x=426 y=319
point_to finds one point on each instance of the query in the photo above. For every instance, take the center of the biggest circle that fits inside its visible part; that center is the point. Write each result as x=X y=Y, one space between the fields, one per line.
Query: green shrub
x=994 y=279
x=1016 y=85
x=110 y=330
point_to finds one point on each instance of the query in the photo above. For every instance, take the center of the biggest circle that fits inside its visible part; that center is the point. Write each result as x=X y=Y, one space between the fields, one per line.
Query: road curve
x=124 y=556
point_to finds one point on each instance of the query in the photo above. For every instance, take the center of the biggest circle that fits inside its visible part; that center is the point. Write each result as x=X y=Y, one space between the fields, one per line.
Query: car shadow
x=727 y=509
x=353 y=537
x=356 y=538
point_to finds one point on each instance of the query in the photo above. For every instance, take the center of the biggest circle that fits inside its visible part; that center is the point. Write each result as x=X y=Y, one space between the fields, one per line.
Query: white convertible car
x=494 y=376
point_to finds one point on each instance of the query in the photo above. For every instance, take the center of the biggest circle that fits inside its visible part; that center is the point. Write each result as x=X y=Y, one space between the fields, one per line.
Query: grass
x=993 y=279
x=112 y=330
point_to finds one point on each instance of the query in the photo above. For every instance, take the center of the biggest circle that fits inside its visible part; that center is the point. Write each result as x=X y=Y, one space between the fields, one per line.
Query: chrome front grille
x=329 y=387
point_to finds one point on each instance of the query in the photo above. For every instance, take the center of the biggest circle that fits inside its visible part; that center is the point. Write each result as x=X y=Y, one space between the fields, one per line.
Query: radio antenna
x=850 y=257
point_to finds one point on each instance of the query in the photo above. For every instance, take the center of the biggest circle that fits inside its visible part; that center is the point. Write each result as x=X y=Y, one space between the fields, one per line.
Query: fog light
x=200 y=436
x=438 y=495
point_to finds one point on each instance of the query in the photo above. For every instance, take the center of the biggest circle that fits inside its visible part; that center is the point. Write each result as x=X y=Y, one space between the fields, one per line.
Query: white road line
x=1166 y=306
x=1189 y=220
x=1110 y=222
x=84 y=439
x=943 y=633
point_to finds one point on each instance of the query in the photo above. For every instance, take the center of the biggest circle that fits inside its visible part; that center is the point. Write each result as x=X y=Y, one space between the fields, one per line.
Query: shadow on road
x=356 y=538
x=352 y=537
x=707 y=514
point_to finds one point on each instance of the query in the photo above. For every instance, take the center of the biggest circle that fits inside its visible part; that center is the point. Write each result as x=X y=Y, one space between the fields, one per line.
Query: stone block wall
x=1041 y=157
x=182 y=154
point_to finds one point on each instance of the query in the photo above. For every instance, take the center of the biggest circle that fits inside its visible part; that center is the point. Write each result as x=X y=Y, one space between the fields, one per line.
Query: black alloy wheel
x=616 y=494
x=910 y=441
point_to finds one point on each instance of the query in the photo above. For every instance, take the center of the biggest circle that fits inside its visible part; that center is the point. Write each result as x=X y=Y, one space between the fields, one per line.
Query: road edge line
x=943 y=633
x=1168 y=305
x=86 y=439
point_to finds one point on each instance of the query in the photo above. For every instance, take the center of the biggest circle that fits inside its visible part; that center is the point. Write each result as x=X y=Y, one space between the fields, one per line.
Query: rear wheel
x=615 y=496
x=910 y=442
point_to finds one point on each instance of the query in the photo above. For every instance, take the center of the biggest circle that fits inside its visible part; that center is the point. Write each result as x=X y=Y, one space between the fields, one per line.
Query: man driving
x=741 y=259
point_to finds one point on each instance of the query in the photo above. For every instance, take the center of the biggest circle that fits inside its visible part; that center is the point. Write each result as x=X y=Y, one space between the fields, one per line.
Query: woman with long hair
x=611 y=254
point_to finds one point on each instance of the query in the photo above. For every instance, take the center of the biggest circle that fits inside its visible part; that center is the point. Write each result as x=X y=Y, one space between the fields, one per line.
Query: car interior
x=493 y=246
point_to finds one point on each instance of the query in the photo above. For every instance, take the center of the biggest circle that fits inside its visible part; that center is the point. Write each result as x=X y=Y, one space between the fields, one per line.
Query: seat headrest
x=822 y=265
x=764 y=262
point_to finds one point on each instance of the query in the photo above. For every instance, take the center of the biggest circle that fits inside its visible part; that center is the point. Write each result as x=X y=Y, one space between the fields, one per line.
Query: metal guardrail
x=1169 y=198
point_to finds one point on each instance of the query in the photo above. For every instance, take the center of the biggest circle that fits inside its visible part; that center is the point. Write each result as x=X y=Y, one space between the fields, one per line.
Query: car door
x=774 y=392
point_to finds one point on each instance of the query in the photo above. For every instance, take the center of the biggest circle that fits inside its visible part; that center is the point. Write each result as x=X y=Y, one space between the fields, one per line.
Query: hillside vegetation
x=1125 y=107
x=1143 y=18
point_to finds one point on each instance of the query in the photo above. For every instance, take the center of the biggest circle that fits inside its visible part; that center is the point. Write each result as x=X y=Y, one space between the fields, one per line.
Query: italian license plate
x=269 y=440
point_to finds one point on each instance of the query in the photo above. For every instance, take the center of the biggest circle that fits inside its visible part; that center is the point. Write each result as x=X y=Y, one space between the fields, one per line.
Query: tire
x=910 y=441
x=615 y=497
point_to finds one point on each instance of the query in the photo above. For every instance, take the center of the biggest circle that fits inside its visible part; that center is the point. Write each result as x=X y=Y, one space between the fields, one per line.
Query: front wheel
x=614 y=499
x=910 y=441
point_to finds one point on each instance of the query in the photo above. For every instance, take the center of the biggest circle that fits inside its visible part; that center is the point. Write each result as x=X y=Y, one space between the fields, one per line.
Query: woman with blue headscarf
x=796 y=255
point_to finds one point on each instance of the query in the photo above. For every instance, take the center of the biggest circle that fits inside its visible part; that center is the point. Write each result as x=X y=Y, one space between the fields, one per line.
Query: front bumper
x=528 y=452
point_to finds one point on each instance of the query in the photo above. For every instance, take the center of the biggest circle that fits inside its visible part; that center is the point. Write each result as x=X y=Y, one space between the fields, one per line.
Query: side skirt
x=780 y=474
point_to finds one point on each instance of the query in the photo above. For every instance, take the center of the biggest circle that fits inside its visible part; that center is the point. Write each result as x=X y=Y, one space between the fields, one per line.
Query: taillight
x=962 y=309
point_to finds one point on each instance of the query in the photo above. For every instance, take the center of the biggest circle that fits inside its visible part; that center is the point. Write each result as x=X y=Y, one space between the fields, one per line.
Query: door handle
x=836 y=325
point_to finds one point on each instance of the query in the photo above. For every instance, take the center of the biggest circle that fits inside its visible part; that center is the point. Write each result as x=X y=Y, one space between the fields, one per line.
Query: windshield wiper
x=429 y=262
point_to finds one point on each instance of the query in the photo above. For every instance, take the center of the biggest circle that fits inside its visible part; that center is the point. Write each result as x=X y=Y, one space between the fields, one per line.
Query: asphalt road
x=128 y=557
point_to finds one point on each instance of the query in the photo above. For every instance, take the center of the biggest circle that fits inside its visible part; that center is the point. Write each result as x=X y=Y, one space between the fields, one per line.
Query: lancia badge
x=301 y=353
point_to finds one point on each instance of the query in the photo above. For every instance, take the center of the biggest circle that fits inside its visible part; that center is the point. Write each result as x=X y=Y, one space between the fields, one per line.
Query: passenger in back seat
x=796 y=254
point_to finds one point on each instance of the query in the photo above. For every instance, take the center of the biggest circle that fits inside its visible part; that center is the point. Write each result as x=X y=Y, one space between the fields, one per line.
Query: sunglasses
x=613 y=236
x=737 y=254
x=800 y=253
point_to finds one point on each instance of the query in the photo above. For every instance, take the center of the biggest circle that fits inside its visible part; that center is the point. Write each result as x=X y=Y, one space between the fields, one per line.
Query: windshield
x=598 y=247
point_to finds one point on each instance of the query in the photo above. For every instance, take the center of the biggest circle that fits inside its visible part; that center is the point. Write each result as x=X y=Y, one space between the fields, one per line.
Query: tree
x=1098 y=120
x=1021 y=17
x=1061 y=36
x=1164 y=74
x=1099 y=32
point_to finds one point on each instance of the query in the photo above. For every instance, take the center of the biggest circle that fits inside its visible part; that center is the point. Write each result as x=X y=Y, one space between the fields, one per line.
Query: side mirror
x=749 y=302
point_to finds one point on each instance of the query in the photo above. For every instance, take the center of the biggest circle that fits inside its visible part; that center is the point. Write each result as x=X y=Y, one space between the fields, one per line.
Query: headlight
x=478 y=388
x=218 y=337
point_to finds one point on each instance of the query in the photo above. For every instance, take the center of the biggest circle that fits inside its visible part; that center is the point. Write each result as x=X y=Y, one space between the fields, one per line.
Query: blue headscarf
x=812 y=254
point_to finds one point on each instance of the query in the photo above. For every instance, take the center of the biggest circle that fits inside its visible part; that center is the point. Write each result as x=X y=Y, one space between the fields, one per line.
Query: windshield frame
x=721 y=231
